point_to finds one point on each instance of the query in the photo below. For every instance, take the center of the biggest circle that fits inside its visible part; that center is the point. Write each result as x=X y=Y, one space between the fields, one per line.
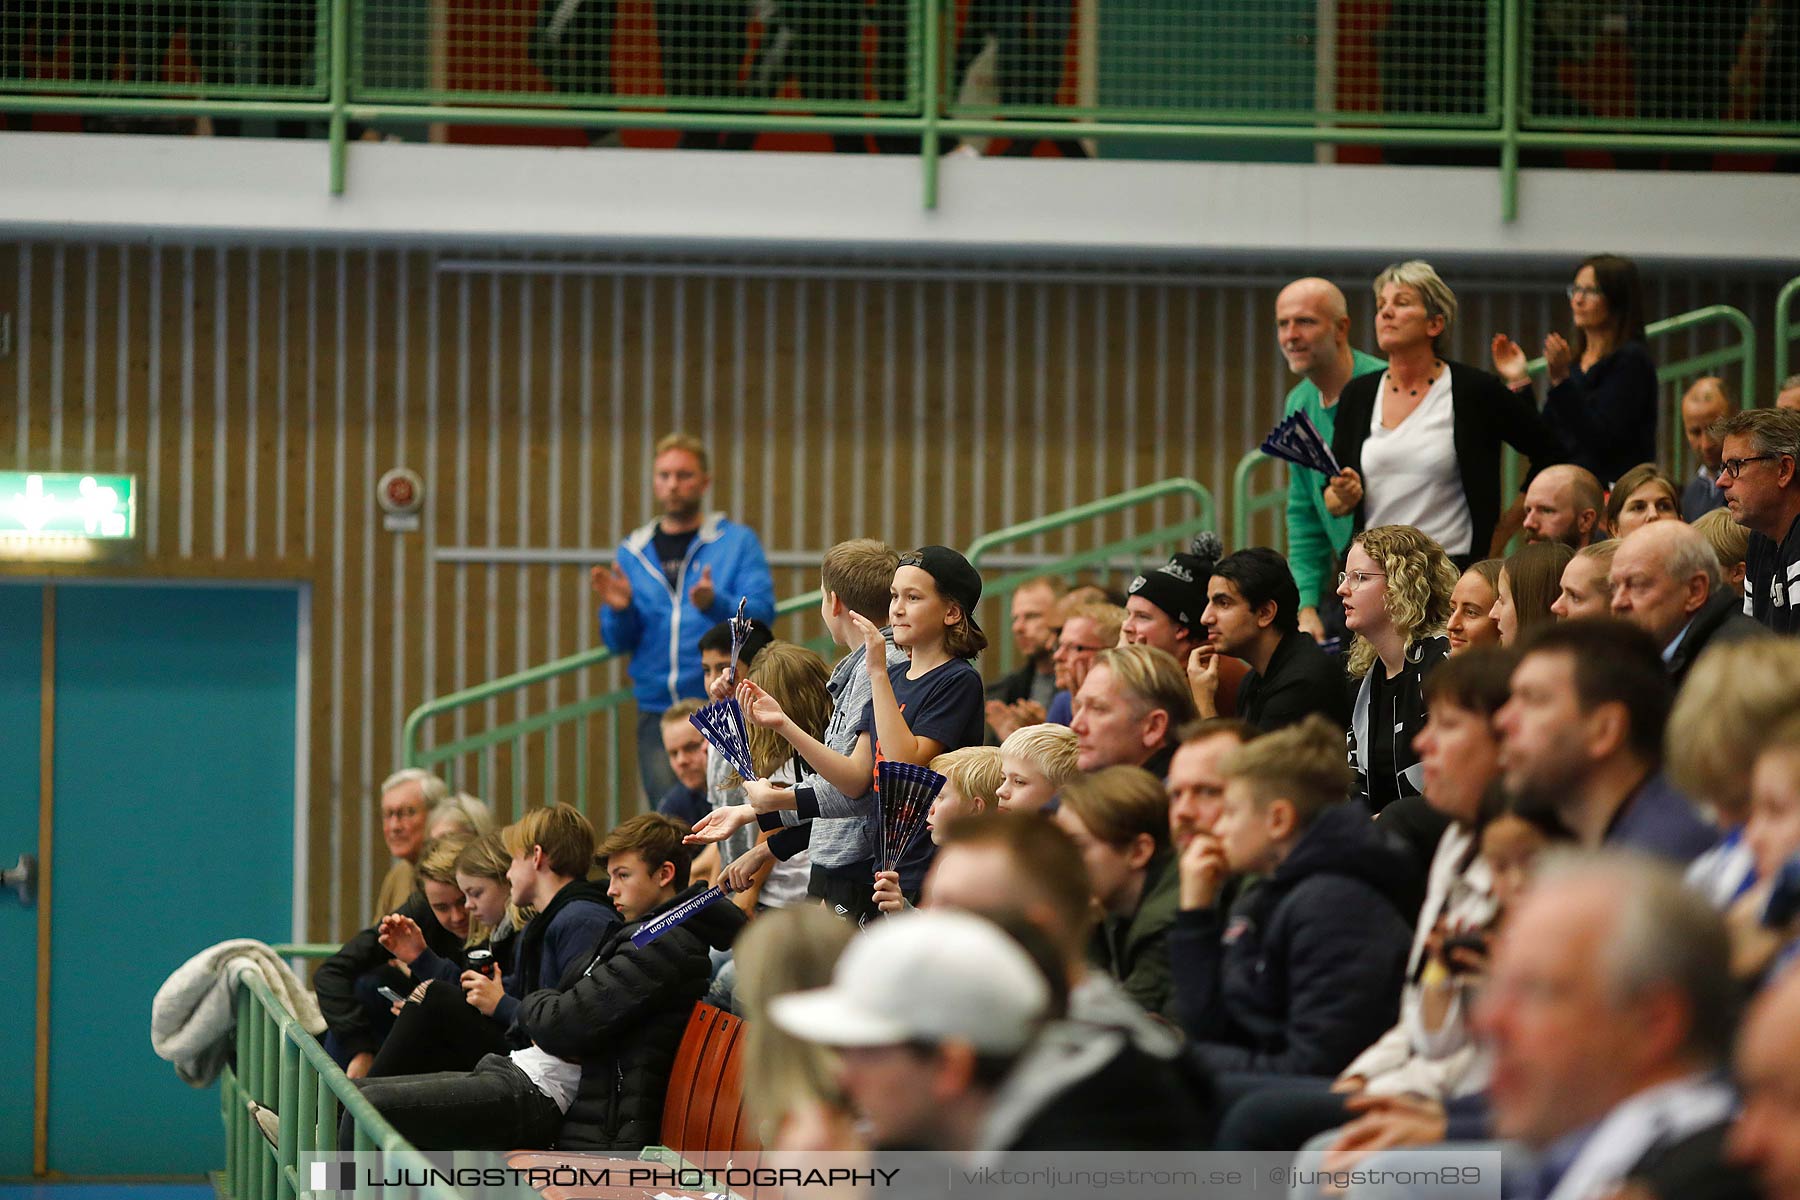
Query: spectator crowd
x=1409 y=840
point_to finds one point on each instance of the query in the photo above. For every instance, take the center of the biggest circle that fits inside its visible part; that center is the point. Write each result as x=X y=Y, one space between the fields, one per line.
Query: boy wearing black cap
x=927 y=706
x=1163 y=608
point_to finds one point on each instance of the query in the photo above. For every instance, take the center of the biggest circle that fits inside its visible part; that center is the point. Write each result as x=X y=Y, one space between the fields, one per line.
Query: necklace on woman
x=1394 y=387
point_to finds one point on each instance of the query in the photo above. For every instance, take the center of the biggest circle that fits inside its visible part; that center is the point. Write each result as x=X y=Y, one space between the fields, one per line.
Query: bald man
x=1666 y=581
x=1702 y=404
x=1313 y=327
x=1766 y=1135
x=1563 y=505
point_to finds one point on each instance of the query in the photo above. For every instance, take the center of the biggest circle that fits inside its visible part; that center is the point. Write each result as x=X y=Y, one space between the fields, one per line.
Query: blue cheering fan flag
x=907 y=791
x=649 y=931
x=741 y=627
x=721 y=723
x=1296 y=440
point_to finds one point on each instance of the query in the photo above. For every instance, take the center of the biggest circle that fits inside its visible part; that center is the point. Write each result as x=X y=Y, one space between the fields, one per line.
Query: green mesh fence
x=807 y=56
x=1408 y=62
x=229 y=49
x=1662 y=64
x=1718 y=67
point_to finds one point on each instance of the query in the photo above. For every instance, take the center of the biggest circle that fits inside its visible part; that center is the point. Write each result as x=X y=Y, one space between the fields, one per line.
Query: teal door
x=21 y=643
x=174 y=740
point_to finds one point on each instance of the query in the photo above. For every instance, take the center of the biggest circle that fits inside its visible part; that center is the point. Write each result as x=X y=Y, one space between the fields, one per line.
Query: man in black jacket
x=1666 y=581
x=1306 y=970
x=599 y=1047
x=1253 y=613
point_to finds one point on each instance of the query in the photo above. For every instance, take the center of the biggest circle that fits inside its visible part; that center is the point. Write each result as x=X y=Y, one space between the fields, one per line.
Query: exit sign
x=36 y=504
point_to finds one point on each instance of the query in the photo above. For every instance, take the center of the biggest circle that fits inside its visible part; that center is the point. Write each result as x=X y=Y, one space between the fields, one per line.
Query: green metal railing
x=1673 y=376
x=445 y=758
x=613 y=705
x=282 y=1068
x=1247 y=502
x=1204 y=516
x=1787 y=332
x=1186 y=77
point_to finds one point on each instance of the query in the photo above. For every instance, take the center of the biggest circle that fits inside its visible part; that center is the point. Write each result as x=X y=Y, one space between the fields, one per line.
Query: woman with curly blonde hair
x=1396 y=587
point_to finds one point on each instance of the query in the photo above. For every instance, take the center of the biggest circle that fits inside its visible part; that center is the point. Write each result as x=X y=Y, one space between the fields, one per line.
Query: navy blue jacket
x=568 y=931
x=1659 y=820
x=1306 y=973
x=1605 y=417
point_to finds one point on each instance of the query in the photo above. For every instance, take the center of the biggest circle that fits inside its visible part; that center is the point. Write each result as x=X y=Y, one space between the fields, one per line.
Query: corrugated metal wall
x=260 y=393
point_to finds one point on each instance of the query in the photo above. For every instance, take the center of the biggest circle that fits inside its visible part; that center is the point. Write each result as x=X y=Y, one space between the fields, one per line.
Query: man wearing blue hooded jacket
x=672 y=580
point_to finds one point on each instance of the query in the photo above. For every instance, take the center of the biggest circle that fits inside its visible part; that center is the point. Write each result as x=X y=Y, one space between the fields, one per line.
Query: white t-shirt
x=1410 y=475
x=785 y=884
x=557 y=1078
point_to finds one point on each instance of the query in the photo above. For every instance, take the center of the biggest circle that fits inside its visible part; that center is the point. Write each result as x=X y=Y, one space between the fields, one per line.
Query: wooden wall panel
x=260 y=392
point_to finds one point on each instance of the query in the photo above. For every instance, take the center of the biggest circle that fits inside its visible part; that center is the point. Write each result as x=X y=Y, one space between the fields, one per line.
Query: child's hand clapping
x=874 y=644
x=759 y=707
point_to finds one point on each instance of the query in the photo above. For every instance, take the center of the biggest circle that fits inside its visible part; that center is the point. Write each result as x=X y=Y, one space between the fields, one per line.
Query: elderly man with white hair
x=1609 y=1011
x=1666 y=580
x=407 y=799
x=1609 y=1008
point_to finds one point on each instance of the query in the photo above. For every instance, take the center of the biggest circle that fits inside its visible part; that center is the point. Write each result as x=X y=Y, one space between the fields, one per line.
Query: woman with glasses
x=1396 y=587
x=1419 y=443
x=1602 y=399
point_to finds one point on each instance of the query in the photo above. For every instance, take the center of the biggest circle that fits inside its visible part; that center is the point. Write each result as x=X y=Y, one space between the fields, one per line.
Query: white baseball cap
x=923 y=977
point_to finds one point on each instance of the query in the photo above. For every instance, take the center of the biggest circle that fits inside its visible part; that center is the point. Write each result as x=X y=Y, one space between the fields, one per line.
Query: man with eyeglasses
x=407 y=798
x=1760 y=476
x=1087 y=629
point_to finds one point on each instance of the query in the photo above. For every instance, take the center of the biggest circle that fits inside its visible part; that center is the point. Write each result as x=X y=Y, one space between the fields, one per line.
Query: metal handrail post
x=340 y=93
x=1786 y=330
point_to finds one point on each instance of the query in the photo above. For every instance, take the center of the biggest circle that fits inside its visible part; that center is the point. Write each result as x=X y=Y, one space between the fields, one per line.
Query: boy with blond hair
x=552 y=851
x=1035 y=762
x=1305 y=971
x=971 y=785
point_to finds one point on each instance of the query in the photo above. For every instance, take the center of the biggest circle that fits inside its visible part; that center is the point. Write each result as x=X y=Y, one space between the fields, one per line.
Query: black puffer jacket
x=621 y=1016
x=335 y=980
x=1306 y=971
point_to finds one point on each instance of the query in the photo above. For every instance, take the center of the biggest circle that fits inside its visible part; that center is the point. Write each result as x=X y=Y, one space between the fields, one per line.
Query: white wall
x=68 y=186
